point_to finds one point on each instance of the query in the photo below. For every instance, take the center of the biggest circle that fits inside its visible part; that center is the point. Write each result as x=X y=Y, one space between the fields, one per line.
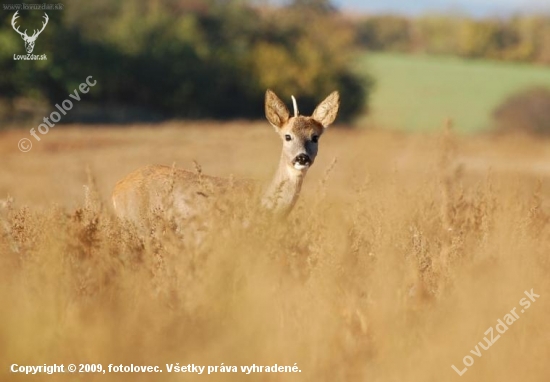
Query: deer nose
x=303 y=159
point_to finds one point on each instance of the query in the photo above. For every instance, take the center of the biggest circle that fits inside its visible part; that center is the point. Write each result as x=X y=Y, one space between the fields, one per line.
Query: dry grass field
x=402 y=251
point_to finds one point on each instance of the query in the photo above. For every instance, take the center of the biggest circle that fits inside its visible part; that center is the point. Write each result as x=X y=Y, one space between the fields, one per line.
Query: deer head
x=29 y=40
x=300 y=134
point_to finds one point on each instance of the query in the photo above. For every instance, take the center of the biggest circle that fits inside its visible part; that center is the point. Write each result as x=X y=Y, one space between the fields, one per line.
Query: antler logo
x=29 y=40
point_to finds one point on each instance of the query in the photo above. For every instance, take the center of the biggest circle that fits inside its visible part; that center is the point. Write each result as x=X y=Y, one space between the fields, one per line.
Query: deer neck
x=284 y=190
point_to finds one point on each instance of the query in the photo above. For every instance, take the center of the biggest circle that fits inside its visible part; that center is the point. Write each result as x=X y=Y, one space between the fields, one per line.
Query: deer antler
x=24 y=34
x=295 y=104
x=35 y=34
x=15 y=16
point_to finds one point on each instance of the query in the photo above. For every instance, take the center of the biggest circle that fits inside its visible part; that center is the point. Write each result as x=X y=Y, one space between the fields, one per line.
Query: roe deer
x=190 y=193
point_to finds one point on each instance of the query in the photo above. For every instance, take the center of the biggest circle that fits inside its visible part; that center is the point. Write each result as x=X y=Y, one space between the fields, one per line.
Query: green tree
x=193 y=59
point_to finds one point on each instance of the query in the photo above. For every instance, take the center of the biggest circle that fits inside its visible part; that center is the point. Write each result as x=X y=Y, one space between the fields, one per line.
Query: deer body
x=191 y=194
x=185 y=194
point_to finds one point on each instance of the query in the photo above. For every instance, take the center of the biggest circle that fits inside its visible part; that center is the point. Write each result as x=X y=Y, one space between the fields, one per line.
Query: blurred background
x=425 y=216
x=397 y=64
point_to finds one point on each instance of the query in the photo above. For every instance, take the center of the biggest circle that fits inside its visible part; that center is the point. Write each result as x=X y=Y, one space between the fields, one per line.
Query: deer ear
x=275 y=110
x=325 y=113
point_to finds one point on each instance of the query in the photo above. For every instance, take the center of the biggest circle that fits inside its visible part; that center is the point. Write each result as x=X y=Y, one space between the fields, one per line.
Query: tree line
x=186 y=59
x=518 y=38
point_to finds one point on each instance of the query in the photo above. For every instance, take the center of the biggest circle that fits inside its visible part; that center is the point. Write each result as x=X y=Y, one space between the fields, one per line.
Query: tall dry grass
x=394 y=263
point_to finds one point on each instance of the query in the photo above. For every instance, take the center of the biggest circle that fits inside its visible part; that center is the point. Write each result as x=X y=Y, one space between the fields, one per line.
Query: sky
x=472 y=7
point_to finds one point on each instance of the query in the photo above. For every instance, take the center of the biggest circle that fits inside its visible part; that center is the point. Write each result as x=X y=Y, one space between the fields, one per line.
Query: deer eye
x=315 y=139
x=288 y=137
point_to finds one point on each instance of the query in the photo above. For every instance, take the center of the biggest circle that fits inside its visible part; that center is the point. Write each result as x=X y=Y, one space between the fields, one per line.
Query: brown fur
x=188 y=194
x=275 y=109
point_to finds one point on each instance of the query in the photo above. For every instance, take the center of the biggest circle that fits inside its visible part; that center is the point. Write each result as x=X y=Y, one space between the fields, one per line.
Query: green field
x=418 y=92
